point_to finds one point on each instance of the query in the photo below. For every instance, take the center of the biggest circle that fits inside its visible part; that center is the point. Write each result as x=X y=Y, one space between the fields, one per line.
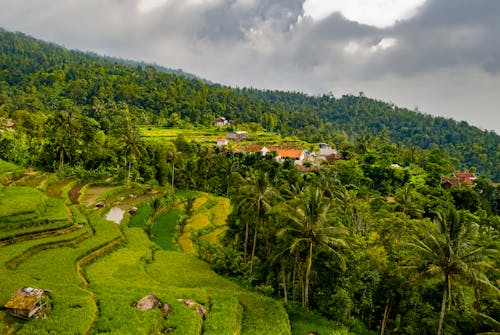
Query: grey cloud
x=446 y=33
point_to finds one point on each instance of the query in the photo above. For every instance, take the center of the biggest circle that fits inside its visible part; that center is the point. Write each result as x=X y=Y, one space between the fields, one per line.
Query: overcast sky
x=442 y=56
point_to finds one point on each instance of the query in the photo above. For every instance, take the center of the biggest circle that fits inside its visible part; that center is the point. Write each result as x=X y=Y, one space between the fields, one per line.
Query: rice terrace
x=96 y=269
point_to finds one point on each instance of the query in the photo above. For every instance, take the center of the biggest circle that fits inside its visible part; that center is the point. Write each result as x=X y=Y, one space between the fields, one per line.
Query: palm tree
x=131 y=145
x=311 y=227
x=174 y=156
x=449 y=248
x=256 y=197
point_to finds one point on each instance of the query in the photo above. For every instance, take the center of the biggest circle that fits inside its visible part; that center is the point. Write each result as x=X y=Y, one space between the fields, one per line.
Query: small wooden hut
x=29 y=302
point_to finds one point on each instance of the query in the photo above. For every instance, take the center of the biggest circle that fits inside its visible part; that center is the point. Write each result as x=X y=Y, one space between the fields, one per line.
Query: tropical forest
x=135 y=199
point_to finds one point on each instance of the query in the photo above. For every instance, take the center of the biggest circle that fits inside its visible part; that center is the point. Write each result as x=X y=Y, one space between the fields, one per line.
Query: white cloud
x=148 y=5
x=379 y=13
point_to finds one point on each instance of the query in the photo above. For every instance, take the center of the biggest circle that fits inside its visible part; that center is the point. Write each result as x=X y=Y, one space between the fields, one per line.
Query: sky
x=440 y=57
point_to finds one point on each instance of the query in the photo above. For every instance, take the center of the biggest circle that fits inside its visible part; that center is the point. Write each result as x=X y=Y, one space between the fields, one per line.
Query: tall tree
x=256 y=197
x=449 y=248
x=312 y=227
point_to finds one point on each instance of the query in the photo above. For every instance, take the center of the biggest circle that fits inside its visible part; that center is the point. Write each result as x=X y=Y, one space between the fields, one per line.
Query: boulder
x=194 y=305
x=147 y=303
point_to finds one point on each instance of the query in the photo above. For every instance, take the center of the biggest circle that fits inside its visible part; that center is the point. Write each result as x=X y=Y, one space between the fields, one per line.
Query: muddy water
x=115 y=214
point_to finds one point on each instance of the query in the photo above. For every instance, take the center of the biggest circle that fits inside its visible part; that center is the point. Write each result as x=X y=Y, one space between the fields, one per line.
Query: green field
x=96 y=269
x=209 y=136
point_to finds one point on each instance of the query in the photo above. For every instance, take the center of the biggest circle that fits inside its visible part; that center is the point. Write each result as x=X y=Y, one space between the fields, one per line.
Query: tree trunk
x=129 y=168
x=61 y=164
x=285 y=291
x=386 y=315
x=294 y=276
x=443 y=306
x=245 y=246
x=253 y=250
x=477 y=305
x=173 y=172
x=308 y=273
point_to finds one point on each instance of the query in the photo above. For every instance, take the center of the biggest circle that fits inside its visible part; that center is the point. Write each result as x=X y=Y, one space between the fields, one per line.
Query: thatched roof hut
x=29 y=302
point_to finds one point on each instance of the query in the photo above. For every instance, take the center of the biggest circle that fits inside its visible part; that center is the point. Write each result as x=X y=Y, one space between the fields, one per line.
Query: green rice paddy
x=96 y=270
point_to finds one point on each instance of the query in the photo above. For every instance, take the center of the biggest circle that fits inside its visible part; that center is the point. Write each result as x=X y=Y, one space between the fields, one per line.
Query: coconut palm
x=131 y=145
x=256 y=197
x=311 y=228
x=174 y=156
x=449 y=248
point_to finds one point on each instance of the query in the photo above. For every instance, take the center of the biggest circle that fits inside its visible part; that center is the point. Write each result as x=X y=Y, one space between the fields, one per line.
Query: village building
x=221 y=122
x=29 y=302
x=458 y=179
x=327 y=153
x=222 y=142
x=236 y=136
x=297 y=156
x=254 y=148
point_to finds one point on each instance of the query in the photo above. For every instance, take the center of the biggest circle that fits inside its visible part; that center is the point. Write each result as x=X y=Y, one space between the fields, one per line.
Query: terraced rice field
x=96 y=269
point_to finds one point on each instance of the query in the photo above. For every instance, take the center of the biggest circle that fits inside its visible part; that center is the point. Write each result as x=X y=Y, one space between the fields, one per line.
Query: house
x=254 y=148
x=221 y=122
x=29 y=302
x=236 y=135
x=465 y=177
x=458 y=179
x=222 y=142
x=293 y=154
x=326 y=153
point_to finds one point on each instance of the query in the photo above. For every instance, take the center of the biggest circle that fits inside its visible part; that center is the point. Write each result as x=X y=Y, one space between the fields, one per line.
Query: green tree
x=312 y=227
x=255 y=198
x=449 y=248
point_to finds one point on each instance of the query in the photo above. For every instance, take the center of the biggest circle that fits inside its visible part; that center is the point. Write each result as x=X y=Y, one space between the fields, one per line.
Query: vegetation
x=367 y=243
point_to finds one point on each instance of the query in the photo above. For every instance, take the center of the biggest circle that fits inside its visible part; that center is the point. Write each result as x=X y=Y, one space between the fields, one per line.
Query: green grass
x=20 y=203
x=305 y=322
x=164 y=229
x=141 y=216
x=94 y=287
x=6 y=167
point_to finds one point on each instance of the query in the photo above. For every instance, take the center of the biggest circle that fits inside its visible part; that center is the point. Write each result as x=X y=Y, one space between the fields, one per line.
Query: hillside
x=41 y=77
x=304 y=214
x=96 y=269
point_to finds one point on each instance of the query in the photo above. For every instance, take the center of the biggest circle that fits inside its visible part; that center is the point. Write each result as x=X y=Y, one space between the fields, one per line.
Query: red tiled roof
x=464 y=175
x=289 y=153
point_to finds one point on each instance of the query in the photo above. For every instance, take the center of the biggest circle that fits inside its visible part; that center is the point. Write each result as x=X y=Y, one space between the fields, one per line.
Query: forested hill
x=41 y=77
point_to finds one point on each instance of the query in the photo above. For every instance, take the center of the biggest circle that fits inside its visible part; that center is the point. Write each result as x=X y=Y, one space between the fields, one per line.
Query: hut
x=29 y=302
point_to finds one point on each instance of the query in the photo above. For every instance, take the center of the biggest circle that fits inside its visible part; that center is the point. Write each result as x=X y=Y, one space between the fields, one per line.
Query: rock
x=166 y=309
x=194 y=305
x=202 y=311
x=169 y=330
x=147 y=303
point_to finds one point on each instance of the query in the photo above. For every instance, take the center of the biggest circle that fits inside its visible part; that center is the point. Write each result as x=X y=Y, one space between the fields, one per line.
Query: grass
x=20 y=203
x=305 y=322
x=94 y=287
x=141 y=216
x=164 y=229
x=8 y=169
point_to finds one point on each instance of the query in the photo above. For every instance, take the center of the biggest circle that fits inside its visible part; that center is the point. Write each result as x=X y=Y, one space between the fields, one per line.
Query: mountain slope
x=42 y=77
